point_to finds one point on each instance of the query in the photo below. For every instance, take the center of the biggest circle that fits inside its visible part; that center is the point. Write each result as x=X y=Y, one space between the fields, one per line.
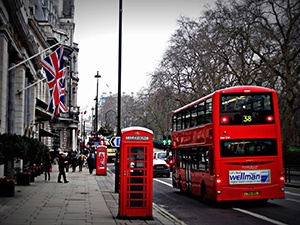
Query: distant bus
x=227 y=145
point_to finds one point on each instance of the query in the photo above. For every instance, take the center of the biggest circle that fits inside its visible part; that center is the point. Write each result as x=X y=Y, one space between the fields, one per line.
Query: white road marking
x=259 y=216
x=291 y=193
x=292 y=200
x=163 y=182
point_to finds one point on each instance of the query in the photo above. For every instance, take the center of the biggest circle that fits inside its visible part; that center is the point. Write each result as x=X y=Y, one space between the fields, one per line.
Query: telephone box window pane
x=137 y=181
x=140 y=173
x=140 y=165
x=137 y=188
x=136 y=196
x=137 y=153
x=137 y=204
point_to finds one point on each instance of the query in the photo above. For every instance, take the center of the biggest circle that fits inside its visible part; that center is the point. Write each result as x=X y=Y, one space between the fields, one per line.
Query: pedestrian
x=81 y=160
x=68 y=158
x=74 y=162
x=91 y=163
x=47 y=166
x=61 y=167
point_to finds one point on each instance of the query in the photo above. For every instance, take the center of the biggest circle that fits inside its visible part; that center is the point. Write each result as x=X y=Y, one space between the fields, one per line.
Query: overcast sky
x=147 y=26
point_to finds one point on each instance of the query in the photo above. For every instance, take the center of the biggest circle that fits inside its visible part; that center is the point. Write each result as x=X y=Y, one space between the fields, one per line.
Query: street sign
x=96 y=143
x=115 y=141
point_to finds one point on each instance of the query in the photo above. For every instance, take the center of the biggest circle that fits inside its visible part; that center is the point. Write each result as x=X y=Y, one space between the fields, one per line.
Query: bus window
x=182 y=159
x=257 y=147
x=203 y=159
x=187 y=120
x=247 y=109
x=194 y=158
x=179 y=122
x=194 y=116
x=183 y=122
x=174 y=125
x=201 y=113
x=208 y=110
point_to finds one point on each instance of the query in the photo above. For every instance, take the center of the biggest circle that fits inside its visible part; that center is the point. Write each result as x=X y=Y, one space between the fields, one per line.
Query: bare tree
x=273 y=36
x=108 y=111
x=236 y=43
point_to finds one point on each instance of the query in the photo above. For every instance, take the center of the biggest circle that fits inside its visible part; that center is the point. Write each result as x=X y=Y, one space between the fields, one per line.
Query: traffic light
x=164 y=140
x=169 y=141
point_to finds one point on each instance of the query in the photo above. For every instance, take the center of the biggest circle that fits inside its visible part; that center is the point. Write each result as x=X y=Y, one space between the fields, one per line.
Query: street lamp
x=93 y=118
x=81 y=126
x=96 y=110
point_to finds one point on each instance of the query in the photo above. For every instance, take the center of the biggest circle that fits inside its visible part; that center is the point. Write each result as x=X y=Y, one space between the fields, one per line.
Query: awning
x=40 y=111
x=44 y=133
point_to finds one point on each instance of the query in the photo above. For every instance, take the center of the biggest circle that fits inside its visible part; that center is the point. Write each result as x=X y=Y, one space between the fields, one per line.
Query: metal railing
x=292 y=173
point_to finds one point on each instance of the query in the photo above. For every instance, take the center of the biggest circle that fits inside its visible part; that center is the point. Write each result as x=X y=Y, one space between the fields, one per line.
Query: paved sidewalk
x=86 y=199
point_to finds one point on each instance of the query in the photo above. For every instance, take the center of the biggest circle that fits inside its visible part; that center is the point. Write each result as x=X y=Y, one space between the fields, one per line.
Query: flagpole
x=36 y=55
x=18 y=92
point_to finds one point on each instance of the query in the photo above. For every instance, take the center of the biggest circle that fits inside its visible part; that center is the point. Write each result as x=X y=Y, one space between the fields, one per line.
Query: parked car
x=160 y=168
x=170 y=161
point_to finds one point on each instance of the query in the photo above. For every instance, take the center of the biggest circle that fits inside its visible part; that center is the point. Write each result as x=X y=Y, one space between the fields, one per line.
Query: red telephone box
x=101 y=160
x=136 y=173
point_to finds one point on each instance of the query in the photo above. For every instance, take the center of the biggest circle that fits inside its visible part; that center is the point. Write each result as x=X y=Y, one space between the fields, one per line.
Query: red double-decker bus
x=227 y=145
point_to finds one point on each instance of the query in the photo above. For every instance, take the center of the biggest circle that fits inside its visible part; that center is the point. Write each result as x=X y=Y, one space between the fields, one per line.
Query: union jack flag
x=55 y=73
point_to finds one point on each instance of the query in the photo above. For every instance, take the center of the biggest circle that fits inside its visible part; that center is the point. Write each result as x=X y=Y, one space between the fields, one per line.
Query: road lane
x=279 y=211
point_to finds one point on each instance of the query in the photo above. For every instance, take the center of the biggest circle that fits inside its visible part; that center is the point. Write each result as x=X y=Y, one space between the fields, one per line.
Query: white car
x=160 y=155
x=160 y=168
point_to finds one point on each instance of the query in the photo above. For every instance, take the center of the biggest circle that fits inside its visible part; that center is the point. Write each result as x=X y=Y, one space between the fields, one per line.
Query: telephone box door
x=101 y=162
x=136 y=173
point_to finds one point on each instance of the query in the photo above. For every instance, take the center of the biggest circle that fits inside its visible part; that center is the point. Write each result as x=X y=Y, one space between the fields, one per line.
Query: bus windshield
x=257 y=147
x=246 y=109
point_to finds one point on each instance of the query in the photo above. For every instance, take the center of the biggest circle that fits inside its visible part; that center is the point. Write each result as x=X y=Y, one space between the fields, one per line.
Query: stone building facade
x=30 y=30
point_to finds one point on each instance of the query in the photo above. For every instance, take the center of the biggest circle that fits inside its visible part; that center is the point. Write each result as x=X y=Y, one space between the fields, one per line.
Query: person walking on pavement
x=61 y=167
x=47 y=166
x=74 y=161
x=91 y=163
x=81 y=160
x=68 y=158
